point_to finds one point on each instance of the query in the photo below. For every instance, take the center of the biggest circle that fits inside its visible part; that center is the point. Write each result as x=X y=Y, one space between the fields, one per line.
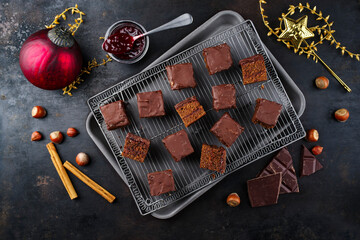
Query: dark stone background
x=34 y=203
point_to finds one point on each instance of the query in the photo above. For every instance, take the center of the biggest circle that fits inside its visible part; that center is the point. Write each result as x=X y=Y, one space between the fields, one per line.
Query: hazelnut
x=233 y=200
x=38 y=112
x=72 y=132
x=322 y=82
x=317 y=150
x=82 y=159
x=36 y=136
x=312 y=135
x=56 y=137
x=342 y=115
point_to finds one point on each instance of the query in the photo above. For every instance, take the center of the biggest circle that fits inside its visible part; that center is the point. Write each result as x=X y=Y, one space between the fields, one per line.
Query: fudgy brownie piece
x=190 y=110
x=150 y=104
x=253 y=69
x=161 y=182
x=217 y=58
x=213 y=158
x=224 y=96
x=266 y=113
x=135 y=147
x=227 y=130
x=178 y=145
x=181 y=76
x=115 y=115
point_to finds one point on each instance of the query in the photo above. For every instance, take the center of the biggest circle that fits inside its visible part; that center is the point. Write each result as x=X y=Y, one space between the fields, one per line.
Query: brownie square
x=115 y=115
x=181 y=76
x=178 y=145
x=266 y=113
x=161 y=182
x=135 y=147
x=213 y=158
x=227 y=130
x=190 y=110
x=253 y=69
x=150 y=104
x=224 y=96
x=217 y=58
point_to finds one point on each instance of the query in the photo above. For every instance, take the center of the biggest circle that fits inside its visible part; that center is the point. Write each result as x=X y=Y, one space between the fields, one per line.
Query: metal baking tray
x=253 y=144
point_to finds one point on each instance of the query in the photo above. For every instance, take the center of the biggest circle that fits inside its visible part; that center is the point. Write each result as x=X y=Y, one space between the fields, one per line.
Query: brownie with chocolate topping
x=150 y=104
x=266 y=113
x=115 y=115
x=190 y=110
x=227 y=130
x=178 y=145
x=161 y=182
x=135 y=147
x=224 y=96
x=181 y=76
x=213 y=158
x=217 y=58
x=253 y=69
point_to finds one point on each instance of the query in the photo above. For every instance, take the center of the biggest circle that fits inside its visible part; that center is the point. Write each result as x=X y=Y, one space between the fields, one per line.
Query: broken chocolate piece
x=161 y=182
x=264 y=191
x=283 y=163
x=309 y=163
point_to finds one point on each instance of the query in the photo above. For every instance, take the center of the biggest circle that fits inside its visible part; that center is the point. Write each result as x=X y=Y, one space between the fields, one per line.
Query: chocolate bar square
x=213 y=158
x=150 y=104
x=264 y=191
x=135 y=147
x=266 y=113
x=161 y=182
x=309 y=164
x=224 y=96
x=115 y=115
x=253 y=69
x=227 y=130
x=178 y=145
x=217 y=58
x=181 y=76
x=190 y=110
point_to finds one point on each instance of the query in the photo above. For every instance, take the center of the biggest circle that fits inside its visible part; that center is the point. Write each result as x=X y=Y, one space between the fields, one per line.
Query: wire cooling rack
x=254 y=143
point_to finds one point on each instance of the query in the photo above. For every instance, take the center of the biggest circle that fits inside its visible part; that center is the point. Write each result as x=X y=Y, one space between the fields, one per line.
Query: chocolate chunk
x=217 y=58
x=135 y=148
x=161 y=182
x=264 y=191
x=150 y=104
x=266 y=113
x=115 y=115
x=213 y=158
x=227 y=130
x=190 y=110
x=181 y=76
x=283 y=163
x=178 y=145
x=253 y=69
x=224 y=96
x=309 y=163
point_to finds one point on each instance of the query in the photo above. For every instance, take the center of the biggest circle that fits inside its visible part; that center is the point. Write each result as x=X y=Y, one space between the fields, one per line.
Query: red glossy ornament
x=51 y=58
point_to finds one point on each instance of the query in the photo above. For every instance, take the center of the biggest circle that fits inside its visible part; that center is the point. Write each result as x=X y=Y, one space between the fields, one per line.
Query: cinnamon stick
x=61 y=171
x=96 y=187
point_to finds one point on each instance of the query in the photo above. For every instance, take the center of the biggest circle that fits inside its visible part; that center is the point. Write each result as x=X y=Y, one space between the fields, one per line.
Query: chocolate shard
x=283 y=163
x=309 y=163
x=264 y=191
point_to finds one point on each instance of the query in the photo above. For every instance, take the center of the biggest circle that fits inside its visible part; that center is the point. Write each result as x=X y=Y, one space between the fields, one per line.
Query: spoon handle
x=180 y=21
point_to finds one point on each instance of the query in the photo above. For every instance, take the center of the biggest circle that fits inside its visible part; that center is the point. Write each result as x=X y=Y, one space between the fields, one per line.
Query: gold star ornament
x=296 y=31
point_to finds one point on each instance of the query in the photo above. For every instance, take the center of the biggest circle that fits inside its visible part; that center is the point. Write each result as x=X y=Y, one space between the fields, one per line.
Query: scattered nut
x=56 y=137
x=312 y=135
x=322 y=82
x=233 y=200
x=342 y=115
x=82 y=159
x=72 y=132
x=317 y=150
x=36 y=136
x=38 y=112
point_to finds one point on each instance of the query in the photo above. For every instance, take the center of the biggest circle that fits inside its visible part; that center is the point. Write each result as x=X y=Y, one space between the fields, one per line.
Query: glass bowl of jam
x=140 y=46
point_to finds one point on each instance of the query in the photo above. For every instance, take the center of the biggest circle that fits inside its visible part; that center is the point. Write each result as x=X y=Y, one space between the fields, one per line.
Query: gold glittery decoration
x=296 y=31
